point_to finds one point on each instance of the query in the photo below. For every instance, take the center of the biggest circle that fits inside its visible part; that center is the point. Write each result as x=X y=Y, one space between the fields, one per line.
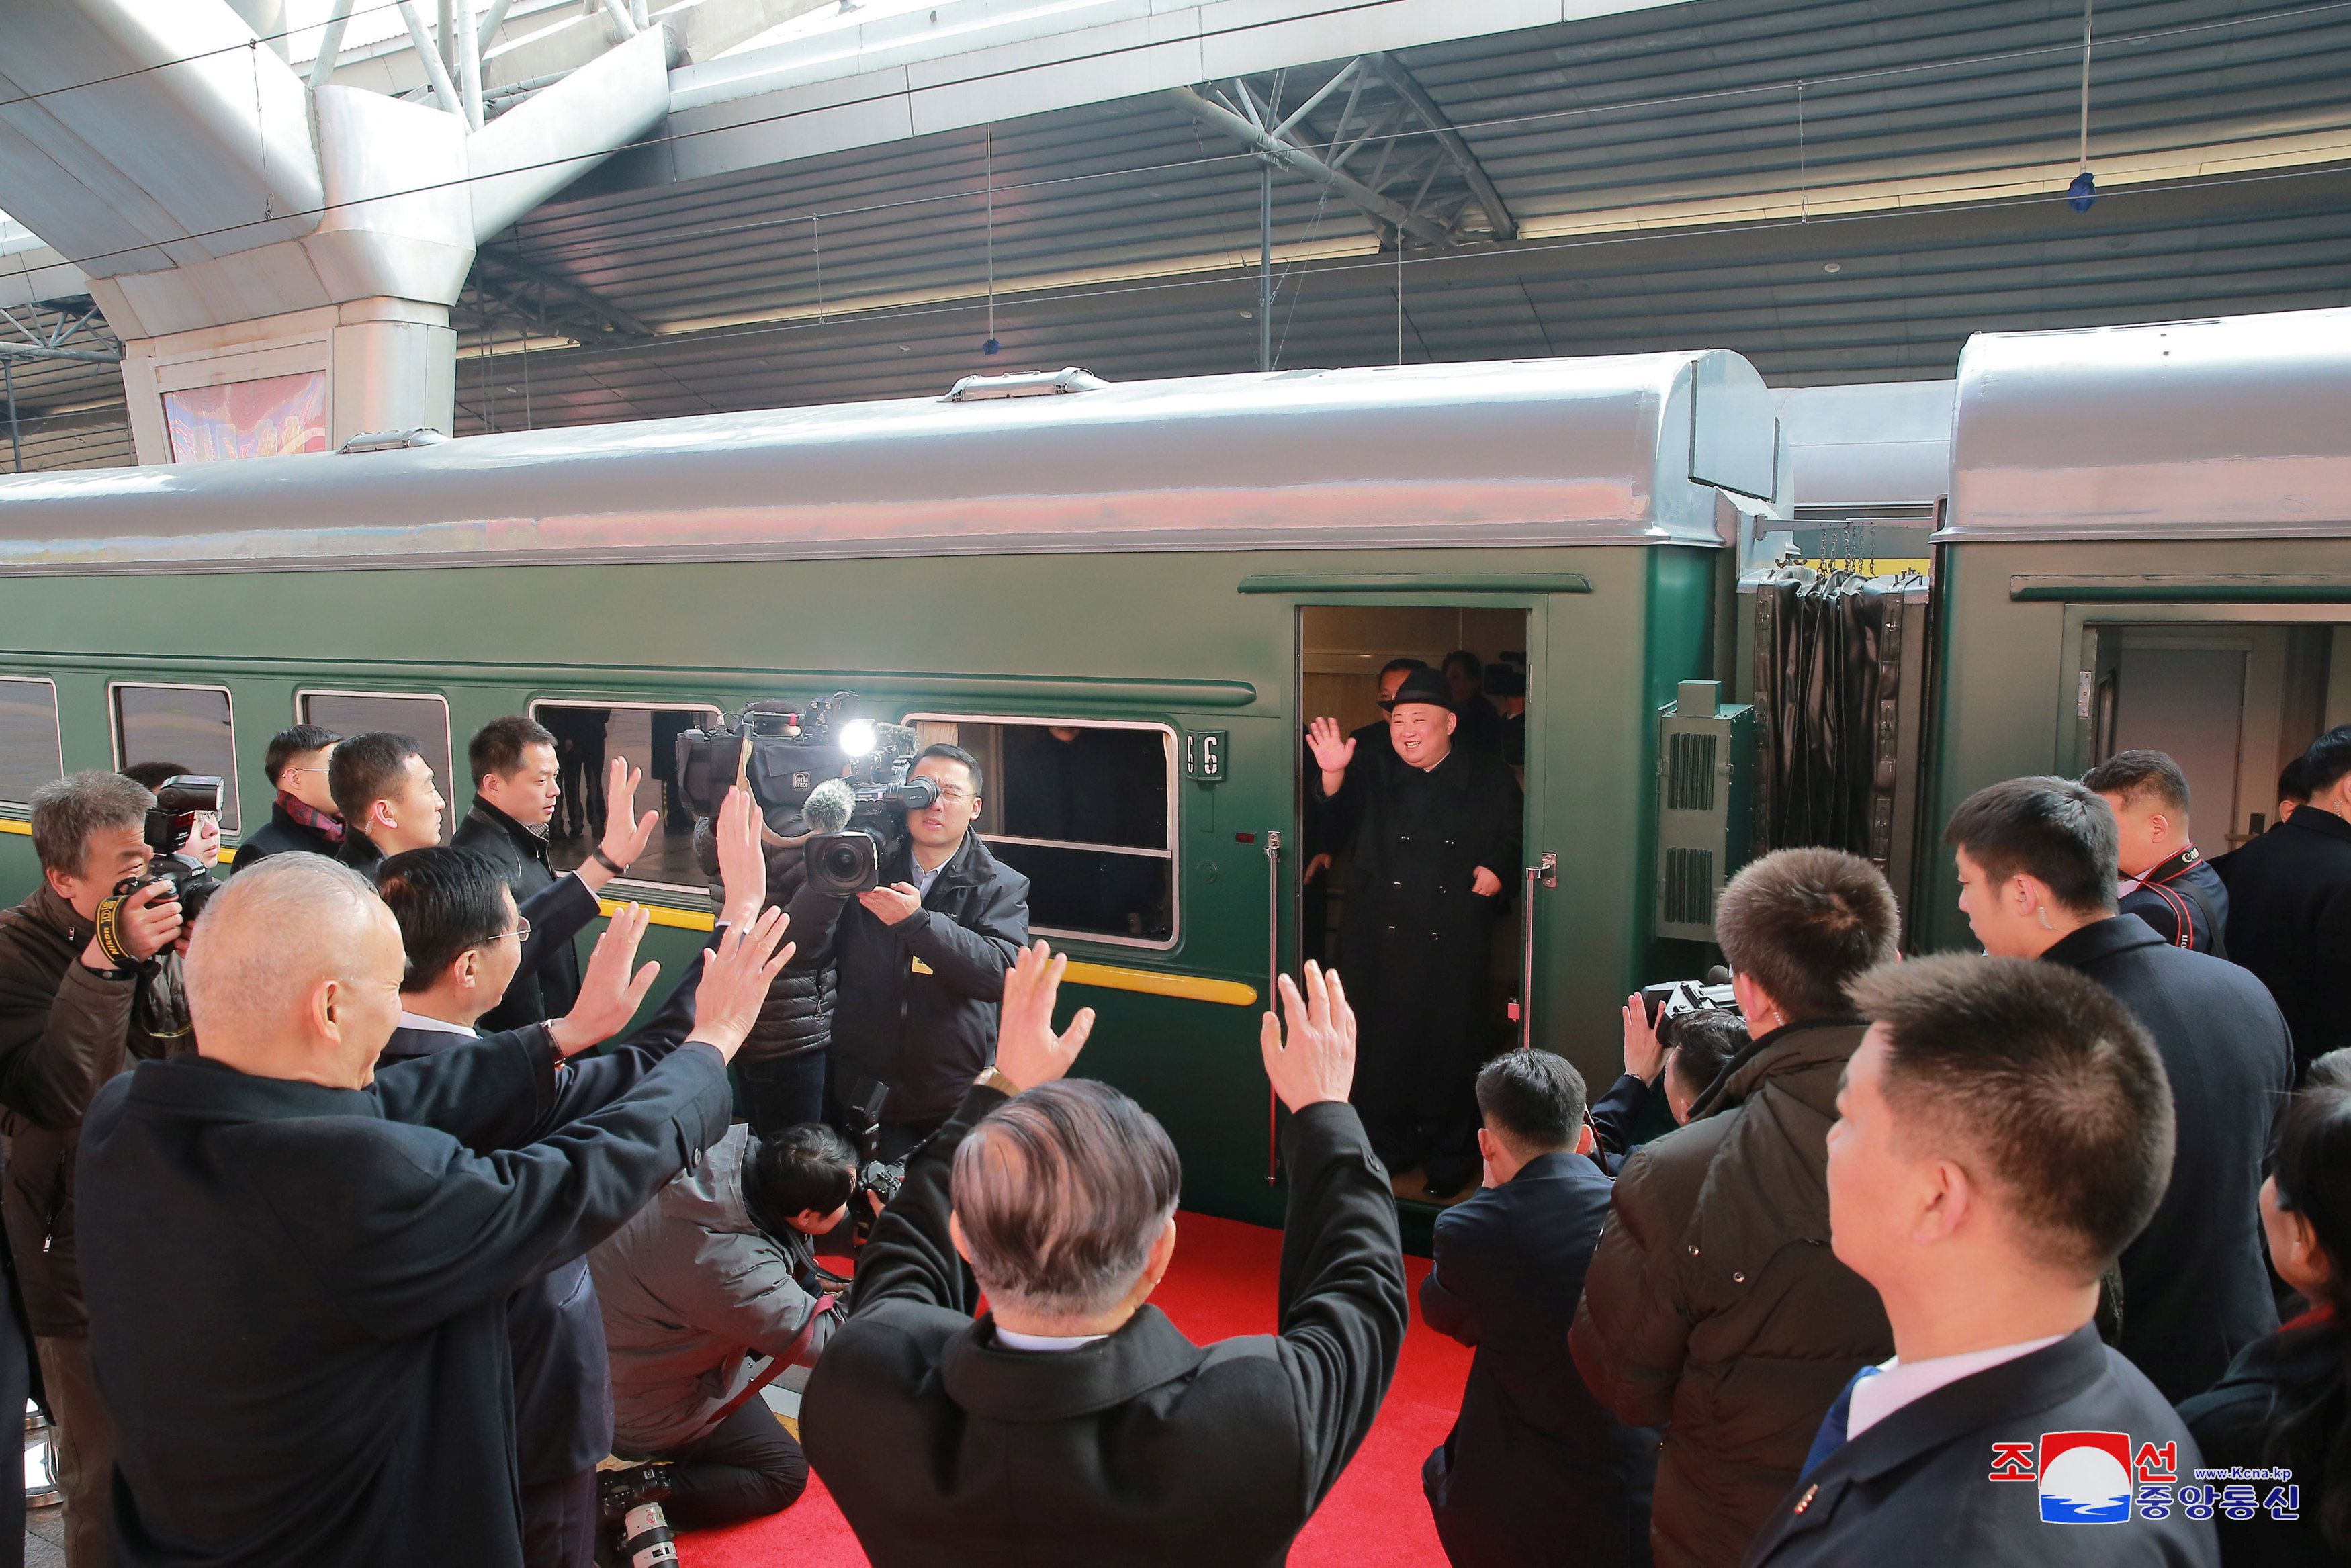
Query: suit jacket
x=1140 y=1449
x=1914 y=1489
x=548 y=981
x=2183 y=899
x=554 y=1326
x=916 y=1001
x=2196 y=1282
x=297 y=1293
x=1531 y=1445
x=2290 y=923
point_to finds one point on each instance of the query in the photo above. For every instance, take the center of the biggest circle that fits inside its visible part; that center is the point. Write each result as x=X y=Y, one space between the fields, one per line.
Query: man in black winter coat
x=1532 y=1447
x=2289 y=904
x=1435 y=832
x=303 y=816
x=2168 y=885
x=921 y=959
x=2036 y=859
x=512 y=760
x=781 y=1066
x=1073 y=1424
x=2003 y=1129
x=462 y=935
x=298 y=1269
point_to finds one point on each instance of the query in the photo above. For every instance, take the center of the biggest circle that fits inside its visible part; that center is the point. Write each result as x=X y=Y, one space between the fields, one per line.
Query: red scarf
x=2316 y=1317
x=324 y=823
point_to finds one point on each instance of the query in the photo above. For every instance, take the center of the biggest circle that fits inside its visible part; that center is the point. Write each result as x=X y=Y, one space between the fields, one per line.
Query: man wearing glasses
x=922 y=961
x=303 y=816
x=464 y=939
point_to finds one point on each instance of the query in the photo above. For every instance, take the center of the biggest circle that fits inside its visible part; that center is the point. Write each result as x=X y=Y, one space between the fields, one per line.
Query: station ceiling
x=1842 y=191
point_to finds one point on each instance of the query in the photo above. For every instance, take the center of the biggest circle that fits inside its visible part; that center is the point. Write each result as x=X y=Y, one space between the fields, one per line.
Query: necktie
x=1831 y=1436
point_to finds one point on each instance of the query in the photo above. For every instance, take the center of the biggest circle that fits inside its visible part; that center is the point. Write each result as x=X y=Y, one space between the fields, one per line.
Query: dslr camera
x=843 y=775
x=171 y=824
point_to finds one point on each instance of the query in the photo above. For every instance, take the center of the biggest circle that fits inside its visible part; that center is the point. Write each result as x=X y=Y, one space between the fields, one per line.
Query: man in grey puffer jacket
x=709 y=1287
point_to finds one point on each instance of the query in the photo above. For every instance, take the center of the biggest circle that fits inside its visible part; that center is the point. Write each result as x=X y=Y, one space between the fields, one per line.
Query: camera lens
x=842 y=862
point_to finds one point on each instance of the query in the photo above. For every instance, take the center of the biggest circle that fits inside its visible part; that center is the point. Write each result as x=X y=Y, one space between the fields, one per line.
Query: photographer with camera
x=920 y=958
x=73 y=1005
x=708 y=1294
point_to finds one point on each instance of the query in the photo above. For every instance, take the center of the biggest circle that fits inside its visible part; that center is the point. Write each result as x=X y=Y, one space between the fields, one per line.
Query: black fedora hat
x=1423 y=686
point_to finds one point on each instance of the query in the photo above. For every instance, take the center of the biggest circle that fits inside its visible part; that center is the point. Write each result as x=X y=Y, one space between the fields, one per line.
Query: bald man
x=297 y=1268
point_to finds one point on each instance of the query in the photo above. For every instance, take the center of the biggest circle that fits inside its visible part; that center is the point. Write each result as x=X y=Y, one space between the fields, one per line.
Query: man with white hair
x=296 y=1268
x=1074 y=1424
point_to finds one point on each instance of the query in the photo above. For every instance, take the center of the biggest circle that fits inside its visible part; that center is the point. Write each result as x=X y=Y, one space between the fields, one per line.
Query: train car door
x=1486 y=653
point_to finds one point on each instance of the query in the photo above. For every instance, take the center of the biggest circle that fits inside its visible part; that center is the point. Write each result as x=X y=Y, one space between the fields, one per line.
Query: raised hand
x=735 y=981
x=742 y=864
x=609 y=995
x=1028 y=1052
x=1645 y=1054
x=1333 y=749
x=1317 y=1061
x=626 y=834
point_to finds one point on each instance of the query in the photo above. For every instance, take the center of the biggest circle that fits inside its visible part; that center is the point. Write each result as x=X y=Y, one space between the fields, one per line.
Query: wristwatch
x=607 y=862
x=992 y=1079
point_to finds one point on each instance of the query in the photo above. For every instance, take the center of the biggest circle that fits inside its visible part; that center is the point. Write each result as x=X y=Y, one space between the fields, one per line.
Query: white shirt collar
x=436 y=1025
x=1897 y=1384
x=1011 y=1339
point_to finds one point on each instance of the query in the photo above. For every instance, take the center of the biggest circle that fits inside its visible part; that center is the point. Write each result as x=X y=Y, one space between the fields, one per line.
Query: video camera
x=844 y=775
x=1669 y=999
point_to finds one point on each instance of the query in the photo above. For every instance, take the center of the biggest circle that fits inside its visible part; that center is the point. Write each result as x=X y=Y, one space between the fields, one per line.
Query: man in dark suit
x=2169 y=884
x=297 y=1270
x=384 y=791
x=2289 y=904
x=463 y=938
x=2000 y=1133
x=1073 y=1424
x=2036 y=858
x=512 y=760
x=1532 y=1447
x=303 y=816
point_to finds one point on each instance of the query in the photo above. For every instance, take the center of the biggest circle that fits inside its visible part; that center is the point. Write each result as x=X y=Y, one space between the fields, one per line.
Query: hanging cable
x=992 y=345
x=2083 y=191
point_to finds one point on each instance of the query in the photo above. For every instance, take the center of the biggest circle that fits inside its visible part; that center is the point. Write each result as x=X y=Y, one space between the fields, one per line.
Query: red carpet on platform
x=1222 y=1284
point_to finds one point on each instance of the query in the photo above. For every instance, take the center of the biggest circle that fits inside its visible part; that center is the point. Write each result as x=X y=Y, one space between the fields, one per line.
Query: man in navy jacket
x=1533 y=1448
x=2003 y=1128
x=297 y=1270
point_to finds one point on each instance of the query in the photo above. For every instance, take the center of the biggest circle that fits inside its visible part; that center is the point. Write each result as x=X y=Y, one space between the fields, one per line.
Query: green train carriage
x=1200 y=563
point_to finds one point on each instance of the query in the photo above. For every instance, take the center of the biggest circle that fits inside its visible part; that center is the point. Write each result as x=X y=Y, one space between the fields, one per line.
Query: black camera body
x=180 y=802
x=1671 y=998
x=785 y=755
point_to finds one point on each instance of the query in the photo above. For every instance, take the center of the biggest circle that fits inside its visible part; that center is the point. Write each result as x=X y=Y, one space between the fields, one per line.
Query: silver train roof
x=2239 y=427
x=1637 y=448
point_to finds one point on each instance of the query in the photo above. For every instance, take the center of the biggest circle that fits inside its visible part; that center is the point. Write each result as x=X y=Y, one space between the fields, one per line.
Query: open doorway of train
x=1343 y=651
x=2231 y=702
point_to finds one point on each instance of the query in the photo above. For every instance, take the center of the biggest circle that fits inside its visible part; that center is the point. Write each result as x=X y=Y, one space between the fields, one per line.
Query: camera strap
x=108 y=930
x=775 y=1364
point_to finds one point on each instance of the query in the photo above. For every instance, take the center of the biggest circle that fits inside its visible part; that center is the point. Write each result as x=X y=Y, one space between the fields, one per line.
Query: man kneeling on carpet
x=708 y=1294
x=1073 y=1424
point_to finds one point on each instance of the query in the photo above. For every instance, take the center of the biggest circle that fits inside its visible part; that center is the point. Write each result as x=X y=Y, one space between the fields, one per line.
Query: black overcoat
x=1531 y=1445
x=548 y=984
x=297 y=1293
x=2290 y=923
x=1142 y=1448
x=1413 y=950
x=1916 y=1487
x=2248 y=1419
x=2196 y=1284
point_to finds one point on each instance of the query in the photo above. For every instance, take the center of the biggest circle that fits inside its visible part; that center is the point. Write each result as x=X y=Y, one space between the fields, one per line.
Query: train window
x=423 y=717
x=192 y=727
x=588 y=735
x=31 y=754
x=1086 y=811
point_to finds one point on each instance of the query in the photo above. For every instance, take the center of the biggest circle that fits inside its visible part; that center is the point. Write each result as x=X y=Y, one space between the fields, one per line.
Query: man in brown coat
x=70 y=1018
x=1713 y=1305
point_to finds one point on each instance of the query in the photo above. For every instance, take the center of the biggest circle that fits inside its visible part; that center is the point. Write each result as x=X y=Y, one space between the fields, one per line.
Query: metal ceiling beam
x=41 y=351
x=1297 y=159
x=607 y=318
x=1499 y=220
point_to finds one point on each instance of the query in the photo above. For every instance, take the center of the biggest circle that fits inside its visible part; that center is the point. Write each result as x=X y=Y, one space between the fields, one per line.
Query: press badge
x=920 y=967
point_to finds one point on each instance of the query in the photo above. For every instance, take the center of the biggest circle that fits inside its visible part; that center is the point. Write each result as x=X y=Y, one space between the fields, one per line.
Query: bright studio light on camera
x=857 y=737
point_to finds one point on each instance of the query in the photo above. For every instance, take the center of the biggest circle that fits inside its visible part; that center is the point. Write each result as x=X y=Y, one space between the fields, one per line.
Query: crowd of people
x=357 y=1221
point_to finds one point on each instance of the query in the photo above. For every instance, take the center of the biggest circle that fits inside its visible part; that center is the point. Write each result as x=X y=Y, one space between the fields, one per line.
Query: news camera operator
x=75 y=1008
x=920 y=958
